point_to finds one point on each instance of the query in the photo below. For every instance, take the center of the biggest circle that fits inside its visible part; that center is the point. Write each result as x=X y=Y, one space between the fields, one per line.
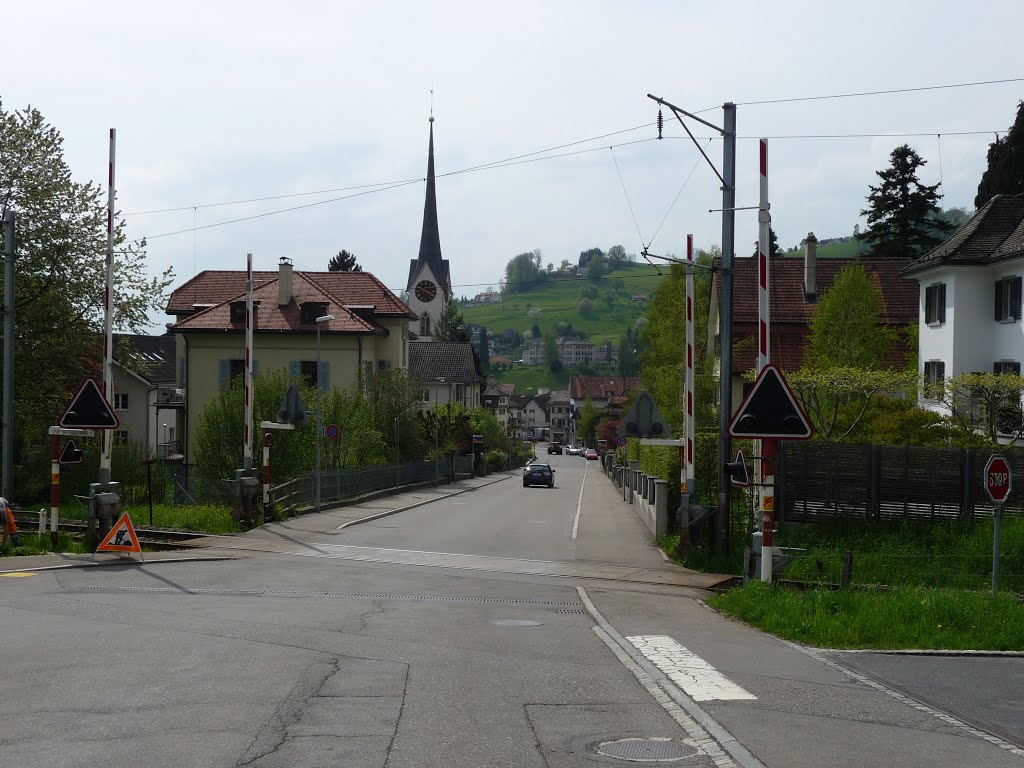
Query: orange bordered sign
x=122 y=537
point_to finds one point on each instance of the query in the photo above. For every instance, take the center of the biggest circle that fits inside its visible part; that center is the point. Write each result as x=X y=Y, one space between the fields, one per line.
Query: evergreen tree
x=902 y=213
x=451 y=326
x=484 y=352
x=773 y=241
x=343 y=262
x=1005 y=172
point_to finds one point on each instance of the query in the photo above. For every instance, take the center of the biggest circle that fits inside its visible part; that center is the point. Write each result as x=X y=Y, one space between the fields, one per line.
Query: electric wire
x=626 y=193
x=857 y=94
x=674 y=201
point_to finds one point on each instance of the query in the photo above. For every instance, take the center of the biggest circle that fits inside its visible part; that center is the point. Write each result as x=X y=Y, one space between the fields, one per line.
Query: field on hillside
x=556 y=301
x=842 y=250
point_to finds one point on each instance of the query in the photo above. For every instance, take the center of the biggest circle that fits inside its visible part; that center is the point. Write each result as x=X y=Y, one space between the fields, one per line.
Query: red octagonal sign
x=997 y=478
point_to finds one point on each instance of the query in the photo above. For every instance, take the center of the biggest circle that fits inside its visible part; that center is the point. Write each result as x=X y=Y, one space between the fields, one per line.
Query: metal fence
x=819 y=481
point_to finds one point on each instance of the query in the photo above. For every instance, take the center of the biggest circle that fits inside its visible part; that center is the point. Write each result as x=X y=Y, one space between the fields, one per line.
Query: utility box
x=247 y=490
x=104 y=509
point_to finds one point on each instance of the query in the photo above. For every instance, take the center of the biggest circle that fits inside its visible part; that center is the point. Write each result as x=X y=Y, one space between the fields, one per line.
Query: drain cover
x=646 y=749
x=517 y=623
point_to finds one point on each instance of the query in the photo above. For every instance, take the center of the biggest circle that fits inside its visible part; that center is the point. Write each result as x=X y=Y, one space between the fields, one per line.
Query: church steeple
x=430 y=238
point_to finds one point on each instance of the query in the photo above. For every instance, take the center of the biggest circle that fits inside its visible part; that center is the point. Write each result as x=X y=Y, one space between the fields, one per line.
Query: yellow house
x=369 y=332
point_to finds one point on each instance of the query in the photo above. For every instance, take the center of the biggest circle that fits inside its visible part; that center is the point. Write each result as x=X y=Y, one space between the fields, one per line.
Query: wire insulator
x=661 y=123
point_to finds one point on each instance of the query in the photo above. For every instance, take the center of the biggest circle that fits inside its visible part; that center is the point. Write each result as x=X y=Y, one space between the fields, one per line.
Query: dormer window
x=311 y=310
x=238 y=311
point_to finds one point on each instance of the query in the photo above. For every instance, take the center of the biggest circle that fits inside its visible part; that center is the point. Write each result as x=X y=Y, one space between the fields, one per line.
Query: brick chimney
x=284 y=282
x=810 y=268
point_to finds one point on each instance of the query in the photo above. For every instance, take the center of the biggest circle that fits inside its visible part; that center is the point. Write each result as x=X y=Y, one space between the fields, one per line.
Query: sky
x=218 y=102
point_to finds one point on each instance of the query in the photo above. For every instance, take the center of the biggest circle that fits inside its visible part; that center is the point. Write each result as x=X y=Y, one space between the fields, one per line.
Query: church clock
x=425 y=291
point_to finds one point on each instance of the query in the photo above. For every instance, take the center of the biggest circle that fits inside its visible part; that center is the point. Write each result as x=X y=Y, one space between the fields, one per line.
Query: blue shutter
x=323 y=375
x=224 y=373
x=294 y=370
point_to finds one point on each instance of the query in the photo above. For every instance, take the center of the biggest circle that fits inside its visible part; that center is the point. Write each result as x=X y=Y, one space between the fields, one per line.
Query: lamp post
x=316 y=472
x=437 y=429
x=398 y=465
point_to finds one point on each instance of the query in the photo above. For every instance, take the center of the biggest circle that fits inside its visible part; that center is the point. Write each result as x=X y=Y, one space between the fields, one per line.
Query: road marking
x=705 y=731
x=579 y=504
x=700 y=680
x=17 y=575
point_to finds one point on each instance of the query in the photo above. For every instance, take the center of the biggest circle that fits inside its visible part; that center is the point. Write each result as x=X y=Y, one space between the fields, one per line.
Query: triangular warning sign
x=770 y=410
x=71 y=454
x=121 y=538
x=89 y=409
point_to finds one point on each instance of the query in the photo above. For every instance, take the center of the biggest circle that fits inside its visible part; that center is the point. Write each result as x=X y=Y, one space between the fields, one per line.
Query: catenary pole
x=8 y=414
x=106 y=435
x=687 y=465
x=725 y=323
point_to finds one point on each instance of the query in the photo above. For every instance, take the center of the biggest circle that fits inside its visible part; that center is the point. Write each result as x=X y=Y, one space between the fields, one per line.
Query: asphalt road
x=435 y=649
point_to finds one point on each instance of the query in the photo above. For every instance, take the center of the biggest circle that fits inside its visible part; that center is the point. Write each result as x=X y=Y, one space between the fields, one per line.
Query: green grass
x=557 y=299
x=534 y=377
x=843 y=250
x=34 y=544
x=202 y=518
x=900 y=618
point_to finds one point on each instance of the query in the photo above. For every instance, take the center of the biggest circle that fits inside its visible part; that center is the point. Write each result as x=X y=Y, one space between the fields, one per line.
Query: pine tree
x=1005 y=172
x=773 y=242
x=902 y=213
x=451 y=326
x=343 y=262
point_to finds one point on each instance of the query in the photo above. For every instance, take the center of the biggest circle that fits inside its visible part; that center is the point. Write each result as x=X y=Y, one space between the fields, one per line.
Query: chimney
x=284 y=282
x=810 y=268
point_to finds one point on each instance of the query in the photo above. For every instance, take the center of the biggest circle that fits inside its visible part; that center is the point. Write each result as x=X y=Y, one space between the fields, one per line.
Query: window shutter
x=1015 y=297
x=941 y=375
x=223 y=373
x=294 y=369
x=940 y=300
x=997 y=368
x=929 y=304
x=324 y=375
x=999 y=300
x=255 y=367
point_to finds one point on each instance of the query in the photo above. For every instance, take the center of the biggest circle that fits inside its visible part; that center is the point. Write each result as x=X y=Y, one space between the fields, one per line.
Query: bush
x=496 y=460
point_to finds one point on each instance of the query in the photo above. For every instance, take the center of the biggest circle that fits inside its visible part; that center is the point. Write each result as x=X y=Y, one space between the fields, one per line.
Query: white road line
x=579 y=504
x=700 y=680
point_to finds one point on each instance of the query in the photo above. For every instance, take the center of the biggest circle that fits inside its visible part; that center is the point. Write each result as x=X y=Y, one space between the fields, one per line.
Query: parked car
x=591 y=454
x=538 y=474
x=554 y=448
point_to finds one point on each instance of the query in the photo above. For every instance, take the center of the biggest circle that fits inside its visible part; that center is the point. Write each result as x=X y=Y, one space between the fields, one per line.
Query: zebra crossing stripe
x=698 y=679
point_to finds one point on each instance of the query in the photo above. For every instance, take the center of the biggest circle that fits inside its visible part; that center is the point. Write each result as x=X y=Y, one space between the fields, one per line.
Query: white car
x=572 y=450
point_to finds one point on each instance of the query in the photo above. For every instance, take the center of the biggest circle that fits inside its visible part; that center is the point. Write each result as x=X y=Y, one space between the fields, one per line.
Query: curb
x=423 y=503
x=122 y=561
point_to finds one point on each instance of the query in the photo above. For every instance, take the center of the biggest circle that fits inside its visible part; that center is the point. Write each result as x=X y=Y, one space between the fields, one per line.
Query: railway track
x=151 y=538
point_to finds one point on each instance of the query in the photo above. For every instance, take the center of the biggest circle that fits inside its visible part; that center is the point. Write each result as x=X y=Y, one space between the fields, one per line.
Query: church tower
x=429 y=286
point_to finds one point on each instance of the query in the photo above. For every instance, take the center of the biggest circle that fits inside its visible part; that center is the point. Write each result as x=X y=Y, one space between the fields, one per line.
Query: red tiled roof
x=272 y=318
x=582 y=387
x=216 y=286
x=791 y=313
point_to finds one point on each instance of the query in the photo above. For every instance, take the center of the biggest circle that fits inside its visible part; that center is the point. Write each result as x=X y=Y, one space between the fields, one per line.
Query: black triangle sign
x=740 y=475
x=771 y=411
x=89 y=410
x=71 y=454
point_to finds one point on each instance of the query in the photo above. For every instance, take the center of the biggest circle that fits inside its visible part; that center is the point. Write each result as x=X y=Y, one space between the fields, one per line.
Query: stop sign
x=997 y=478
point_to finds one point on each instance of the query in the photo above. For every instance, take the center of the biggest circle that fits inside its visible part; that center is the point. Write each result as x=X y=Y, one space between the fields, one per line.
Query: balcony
x=170 y=397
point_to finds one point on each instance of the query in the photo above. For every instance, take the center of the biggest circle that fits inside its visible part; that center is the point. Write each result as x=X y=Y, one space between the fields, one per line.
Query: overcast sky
x=219 y=101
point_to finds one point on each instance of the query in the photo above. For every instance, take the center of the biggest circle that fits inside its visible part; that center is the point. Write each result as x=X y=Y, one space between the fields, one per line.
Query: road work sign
x=122 y=537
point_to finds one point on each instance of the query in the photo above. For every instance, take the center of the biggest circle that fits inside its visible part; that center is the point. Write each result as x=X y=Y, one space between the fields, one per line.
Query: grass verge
x=34 y=544
x=910 y=617
x=201 y=518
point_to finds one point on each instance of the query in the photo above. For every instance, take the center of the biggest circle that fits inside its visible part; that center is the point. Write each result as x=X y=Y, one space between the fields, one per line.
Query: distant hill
x=834 y=248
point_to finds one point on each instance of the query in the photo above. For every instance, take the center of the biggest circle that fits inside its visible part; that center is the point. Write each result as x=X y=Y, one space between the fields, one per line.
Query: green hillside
x=844 y=248
x=557 y=300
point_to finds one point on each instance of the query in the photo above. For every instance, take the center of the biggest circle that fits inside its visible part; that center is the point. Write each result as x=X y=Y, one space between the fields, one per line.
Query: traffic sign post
x=998 y=480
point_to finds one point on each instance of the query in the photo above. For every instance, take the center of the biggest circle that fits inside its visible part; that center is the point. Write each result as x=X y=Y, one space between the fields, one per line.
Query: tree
x=628 y=349
x=343 y=262
x=588 y=421
x=551 y=356
x=774 y=244
x=522 y=273
x=535 y=331
x=484 y=352
x=585 y=308
x=617 y=256
x=987 y=401
x=451 y=326
x=61 y=233
x=837 y=399
x=846 y=326
x=565 y=264
x=597 y=267
x=902 y=213
x=587 y=255
x=1005 y=172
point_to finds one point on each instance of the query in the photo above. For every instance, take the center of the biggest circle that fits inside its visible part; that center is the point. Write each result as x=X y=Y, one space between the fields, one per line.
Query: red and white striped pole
x=247 y=437
x=106 y=437
x=687 y=465
x=55 y=484
x=769 y=446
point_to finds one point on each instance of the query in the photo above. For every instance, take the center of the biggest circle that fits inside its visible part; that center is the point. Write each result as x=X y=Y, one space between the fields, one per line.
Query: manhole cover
x=517 y=623
x=646 y=749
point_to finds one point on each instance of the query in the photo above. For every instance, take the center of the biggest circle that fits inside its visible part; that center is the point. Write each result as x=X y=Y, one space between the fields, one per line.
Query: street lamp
x=437 y=429
x=316 y=473
x=398 y=464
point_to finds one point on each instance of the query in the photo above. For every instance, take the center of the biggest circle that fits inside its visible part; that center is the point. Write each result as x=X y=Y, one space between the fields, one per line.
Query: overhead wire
x=629 y=202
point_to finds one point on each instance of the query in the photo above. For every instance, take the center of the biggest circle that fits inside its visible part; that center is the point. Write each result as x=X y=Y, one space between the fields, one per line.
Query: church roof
x=430 y=238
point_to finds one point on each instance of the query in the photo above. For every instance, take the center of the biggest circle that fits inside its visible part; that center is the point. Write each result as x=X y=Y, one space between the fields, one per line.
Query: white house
x=970 y=297
x=445 y=372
